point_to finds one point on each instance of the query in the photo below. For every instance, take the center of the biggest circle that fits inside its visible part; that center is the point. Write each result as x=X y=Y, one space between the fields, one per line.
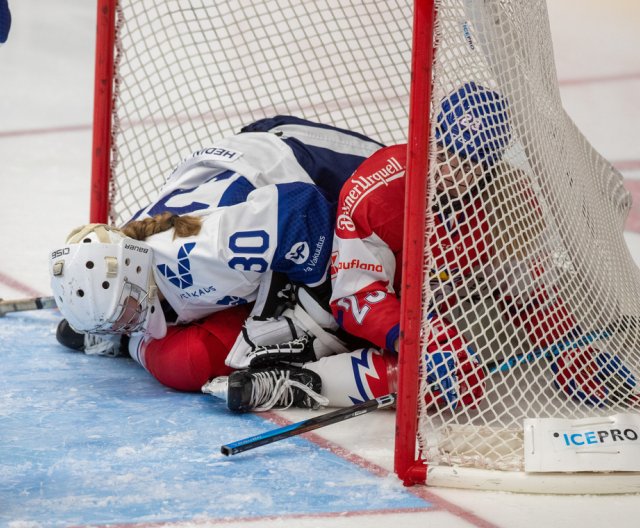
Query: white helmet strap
x=100 y=230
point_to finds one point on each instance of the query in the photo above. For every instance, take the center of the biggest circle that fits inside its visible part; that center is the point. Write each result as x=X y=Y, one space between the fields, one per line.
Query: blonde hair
x=184 y=226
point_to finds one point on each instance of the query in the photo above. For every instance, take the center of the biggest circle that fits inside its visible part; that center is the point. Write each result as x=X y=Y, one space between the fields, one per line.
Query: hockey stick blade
x=21 y=305
x=304 y=426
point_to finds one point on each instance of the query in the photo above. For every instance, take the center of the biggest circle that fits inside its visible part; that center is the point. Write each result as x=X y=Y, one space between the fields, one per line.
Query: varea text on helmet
x=139 y=249
x=602 y=437
x=59 y=253
x=361 y=185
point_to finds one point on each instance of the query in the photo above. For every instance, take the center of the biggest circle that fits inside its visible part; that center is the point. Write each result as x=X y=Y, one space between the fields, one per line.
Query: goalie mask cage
x=545 y=289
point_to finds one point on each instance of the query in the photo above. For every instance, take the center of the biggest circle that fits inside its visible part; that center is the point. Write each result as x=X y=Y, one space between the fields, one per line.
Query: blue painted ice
x=93 y=440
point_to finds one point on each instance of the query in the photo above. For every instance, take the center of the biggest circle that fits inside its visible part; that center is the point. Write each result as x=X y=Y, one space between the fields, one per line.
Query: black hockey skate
x=281 y=387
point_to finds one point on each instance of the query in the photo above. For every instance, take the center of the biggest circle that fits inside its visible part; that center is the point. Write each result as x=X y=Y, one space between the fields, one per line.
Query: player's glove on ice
x=454 y=377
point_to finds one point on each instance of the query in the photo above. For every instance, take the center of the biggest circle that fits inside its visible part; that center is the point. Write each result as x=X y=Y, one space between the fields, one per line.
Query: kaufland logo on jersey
x=353 y=264
x=332 y=268
x=359 y=186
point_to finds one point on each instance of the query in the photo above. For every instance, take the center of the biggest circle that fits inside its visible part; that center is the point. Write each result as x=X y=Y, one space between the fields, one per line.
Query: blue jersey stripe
x=328 y=169
x=236 y=193
x=305 y=232
x=269 y=123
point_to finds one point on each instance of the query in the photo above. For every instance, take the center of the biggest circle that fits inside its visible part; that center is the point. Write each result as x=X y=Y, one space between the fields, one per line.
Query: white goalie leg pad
x=310 y=316
x=319 y=315
x=325 y=344
x=260 y=332
x=307 y=317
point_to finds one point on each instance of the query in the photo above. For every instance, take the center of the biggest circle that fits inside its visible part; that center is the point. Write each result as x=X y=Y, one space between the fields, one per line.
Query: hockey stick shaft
x=305 y=426
x=21 y=305
x=549 y=351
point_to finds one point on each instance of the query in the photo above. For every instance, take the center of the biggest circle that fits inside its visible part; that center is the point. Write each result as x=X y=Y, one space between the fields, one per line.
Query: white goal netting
x=529 y=264
x=189 y=72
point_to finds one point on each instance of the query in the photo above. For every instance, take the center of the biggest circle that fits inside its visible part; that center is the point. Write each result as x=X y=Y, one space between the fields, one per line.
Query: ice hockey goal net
x=550 y=285
x=530 y=267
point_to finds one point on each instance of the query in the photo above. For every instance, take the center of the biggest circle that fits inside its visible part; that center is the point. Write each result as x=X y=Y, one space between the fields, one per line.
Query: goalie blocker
x=305 y=331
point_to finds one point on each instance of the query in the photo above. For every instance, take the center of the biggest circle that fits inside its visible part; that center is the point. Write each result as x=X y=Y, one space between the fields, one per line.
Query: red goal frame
x=409 y=465
x=102 y=108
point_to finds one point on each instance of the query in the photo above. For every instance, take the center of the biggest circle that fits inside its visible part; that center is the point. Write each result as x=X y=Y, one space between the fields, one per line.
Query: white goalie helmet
x=103 y=283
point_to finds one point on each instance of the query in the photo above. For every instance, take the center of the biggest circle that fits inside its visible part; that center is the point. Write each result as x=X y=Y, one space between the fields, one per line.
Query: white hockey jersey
x=267 y=203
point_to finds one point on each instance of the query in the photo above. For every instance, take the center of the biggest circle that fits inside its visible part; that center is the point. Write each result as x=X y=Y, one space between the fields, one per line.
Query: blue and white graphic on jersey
x=260 y=211
x=285 y=227
x=328 y=154
x=309 y=153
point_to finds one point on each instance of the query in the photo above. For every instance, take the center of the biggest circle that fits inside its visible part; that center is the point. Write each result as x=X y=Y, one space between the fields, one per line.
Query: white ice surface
x=46 y=76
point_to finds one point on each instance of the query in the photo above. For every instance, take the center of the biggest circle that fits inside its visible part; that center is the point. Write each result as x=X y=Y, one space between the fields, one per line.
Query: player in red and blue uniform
x=472 y=134
x=366 y=262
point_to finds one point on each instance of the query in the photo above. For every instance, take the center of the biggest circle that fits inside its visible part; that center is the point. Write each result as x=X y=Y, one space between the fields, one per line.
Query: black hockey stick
x=21 y=305
x=305 y=426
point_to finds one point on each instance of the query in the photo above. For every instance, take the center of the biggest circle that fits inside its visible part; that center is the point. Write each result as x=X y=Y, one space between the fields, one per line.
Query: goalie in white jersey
x=230 y=223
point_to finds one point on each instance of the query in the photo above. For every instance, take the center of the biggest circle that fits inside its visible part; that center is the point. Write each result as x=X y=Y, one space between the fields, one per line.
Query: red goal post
x=412 y=469
x=102 y=112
